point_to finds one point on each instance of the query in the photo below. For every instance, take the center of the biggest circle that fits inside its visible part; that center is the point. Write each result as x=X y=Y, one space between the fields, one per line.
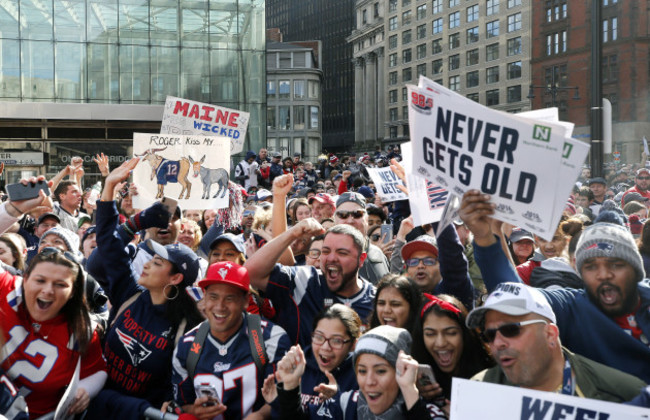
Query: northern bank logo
x=542 y=133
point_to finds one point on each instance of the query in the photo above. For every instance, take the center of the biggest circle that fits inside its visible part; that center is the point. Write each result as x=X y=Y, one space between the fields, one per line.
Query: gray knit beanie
x=70 y=238
x=384 y=341
x=611 y=241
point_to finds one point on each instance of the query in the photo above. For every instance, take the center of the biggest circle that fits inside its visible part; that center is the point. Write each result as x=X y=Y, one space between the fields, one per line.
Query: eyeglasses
x=314 y=253
x=357 y=214
x=508 y=330
x=375 y=237
x=428 y=261
x=334 y=342
x=643 y=178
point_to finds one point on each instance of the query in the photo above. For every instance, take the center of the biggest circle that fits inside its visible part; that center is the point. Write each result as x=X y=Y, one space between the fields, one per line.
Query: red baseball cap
x=226 y=272
x=323 y=199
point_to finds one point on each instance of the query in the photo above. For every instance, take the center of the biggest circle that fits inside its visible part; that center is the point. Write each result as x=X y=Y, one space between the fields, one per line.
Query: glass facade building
x=136 y=52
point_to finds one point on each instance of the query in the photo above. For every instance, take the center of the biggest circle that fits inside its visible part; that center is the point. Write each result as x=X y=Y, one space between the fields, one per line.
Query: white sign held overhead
x=183 y=116
x=191 y=169
x=386 y=183
x=461 y=145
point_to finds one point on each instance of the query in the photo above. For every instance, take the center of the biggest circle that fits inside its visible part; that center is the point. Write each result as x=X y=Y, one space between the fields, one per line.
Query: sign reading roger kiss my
x=462 y=145
x=182 y=116
x=190 y=169
x=480 y=400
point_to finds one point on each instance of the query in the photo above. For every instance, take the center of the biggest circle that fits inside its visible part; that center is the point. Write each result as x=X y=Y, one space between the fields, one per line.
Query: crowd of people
x=309 y=297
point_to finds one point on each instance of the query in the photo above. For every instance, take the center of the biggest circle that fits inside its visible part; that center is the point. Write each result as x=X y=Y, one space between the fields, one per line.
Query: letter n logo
x=566 y=151
x=542 y=133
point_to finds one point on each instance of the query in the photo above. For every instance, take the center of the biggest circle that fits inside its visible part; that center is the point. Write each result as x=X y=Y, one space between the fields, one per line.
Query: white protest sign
x=190 y=169
x=463 y=145
x=645 y=146
x=449 y=213
x=69 y=396
x=386 y=183
x=182 y=116
x=426 y=199
x=481 y=400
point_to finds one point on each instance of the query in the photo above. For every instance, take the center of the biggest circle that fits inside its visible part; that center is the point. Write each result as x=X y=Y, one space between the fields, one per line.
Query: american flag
x=437 y=196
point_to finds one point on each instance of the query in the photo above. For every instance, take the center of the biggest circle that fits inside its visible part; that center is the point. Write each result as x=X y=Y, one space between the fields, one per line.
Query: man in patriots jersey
x=609 y=320
x=226 y=379
x=300 y=293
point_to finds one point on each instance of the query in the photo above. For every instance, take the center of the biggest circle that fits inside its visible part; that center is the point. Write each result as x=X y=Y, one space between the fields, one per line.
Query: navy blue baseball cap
x=237 y=242
x=182 y=256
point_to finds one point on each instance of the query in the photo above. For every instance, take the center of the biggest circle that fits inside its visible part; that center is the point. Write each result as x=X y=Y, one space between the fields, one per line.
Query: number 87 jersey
x=228 y=368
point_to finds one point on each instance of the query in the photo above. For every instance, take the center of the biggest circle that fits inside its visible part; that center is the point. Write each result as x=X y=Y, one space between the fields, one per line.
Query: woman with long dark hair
x=442 y=341
x=149 y=313
x=397 y=302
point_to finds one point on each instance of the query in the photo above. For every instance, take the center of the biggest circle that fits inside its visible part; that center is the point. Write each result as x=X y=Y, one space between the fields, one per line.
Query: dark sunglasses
x=643 y=178
x=375 y=237
x=248 y=213
x=414 y=262
x=508 y=330
x=357 y=214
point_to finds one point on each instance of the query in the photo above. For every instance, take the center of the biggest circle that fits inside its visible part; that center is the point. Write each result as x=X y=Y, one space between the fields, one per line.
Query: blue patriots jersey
x=344 y=407
x=167 y=172
x=301 y=293
x=232 y=373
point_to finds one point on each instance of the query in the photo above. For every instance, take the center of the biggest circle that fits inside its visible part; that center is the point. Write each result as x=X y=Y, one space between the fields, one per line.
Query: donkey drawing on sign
x=209 y=177
x=165 y=170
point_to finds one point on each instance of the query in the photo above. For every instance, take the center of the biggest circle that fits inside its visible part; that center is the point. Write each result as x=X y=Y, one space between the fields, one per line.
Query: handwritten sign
x=69 y=396
x=191 y=169
x=469 y=400
x=183 y=116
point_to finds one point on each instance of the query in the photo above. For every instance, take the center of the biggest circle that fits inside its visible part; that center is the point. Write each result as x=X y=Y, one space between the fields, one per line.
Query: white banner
x=480 y=400
x=190 y=169
x=183 y=116
x=462 y=145
x=386 y=183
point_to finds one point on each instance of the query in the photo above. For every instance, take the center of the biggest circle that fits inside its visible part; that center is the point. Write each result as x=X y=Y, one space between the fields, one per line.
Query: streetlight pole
x=596 y=92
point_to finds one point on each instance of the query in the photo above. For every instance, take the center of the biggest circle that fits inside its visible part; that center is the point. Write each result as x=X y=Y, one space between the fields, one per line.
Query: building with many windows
x=329 y=21
x=77 y=74
x=561 y=50
x=293 y=94
x=479 y=48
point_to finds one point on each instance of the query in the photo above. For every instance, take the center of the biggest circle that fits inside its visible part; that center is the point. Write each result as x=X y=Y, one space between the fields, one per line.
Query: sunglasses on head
x=357 y=214
x=508 y=330
x=414 y=262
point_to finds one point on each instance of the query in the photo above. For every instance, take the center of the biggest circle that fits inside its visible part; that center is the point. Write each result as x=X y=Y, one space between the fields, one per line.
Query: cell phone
x=18 y=191
x=207 y=390
x=425 y=375
x=387 y=232
x=170 y=205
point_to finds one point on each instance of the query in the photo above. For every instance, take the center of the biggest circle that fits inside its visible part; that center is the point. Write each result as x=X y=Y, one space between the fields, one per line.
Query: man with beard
x=607 y=321
x=300 y=293
x=519 y=326
x=641 y=184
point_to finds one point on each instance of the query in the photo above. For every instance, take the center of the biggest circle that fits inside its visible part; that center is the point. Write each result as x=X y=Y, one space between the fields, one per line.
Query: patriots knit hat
x=611 y=241
x=384 y=341
x=69 y=237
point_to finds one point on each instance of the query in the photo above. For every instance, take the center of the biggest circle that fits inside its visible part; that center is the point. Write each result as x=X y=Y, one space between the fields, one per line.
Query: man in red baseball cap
x=322 y=206
x=226 y=375
x=641 y=184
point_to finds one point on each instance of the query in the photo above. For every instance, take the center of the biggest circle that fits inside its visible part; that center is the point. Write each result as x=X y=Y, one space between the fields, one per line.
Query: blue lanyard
x=568 y=383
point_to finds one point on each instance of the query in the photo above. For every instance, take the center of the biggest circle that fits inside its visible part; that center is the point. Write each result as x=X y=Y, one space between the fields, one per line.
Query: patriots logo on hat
x=602 y=246
x=184 y=265
x=223 y=272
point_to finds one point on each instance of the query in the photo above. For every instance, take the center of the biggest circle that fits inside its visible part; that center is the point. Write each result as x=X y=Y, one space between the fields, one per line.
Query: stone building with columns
x=479 y=48
x=369 y=67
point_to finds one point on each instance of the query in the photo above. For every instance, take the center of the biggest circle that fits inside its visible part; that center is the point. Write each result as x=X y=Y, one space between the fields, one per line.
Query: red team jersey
x=40 y=357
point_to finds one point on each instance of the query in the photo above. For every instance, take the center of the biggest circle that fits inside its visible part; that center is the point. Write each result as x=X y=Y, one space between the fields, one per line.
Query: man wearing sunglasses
x=518 y=324
x=351 y=210
x=607 y=321
x=641 y=184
